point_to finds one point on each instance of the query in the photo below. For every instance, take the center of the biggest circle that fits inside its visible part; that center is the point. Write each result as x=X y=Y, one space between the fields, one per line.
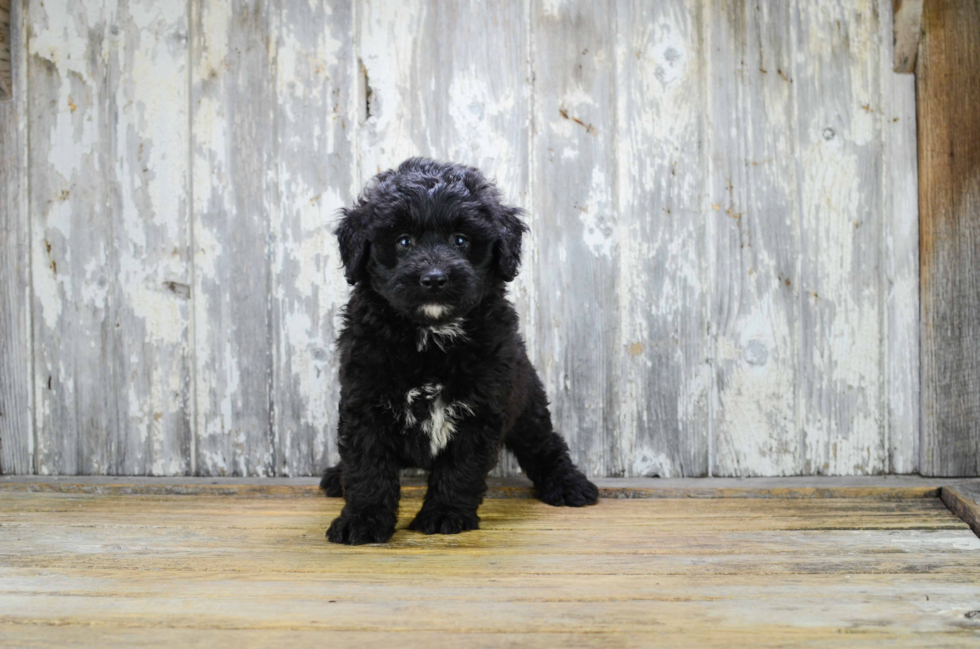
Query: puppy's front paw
x=571 y=489
x=358 y=529
x=439 y=520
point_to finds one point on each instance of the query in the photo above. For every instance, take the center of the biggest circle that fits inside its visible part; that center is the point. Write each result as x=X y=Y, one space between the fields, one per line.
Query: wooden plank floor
x=118 y=569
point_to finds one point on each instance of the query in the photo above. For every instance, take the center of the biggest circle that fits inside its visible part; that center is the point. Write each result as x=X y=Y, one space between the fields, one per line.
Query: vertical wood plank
x=72 y=238
x=900 y=239
x=111 y=279
x=949 y=202
x=657 y=419
x=148 y=272
x=316 y=111
x=16 y=379
x=450 y=81
x=755 y=236
x=8 y=23
x=838 y=95
x=574 y=174
x=235 y=187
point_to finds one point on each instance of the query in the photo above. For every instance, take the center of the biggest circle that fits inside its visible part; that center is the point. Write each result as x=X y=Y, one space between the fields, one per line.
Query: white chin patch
x=434 y=311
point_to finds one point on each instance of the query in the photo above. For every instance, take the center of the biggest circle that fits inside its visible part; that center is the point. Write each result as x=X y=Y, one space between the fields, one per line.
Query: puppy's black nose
x=434 y=280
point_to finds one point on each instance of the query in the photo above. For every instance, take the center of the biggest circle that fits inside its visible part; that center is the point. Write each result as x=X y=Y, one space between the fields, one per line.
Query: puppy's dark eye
x=460 y=241
x=405 y=242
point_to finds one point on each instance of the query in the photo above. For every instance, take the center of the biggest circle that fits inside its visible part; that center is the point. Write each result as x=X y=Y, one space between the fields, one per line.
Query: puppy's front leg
x=372 y=490
x=457 y=483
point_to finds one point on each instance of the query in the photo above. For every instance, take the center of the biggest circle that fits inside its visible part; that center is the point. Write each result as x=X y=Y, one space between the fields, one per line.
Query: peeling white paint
x=734 y=293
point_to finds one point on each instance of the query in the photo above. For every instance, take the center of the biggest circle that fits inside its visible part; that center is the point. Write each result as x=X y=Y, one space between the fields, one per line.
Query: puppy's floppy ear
x=508 y=251
x=353 y=244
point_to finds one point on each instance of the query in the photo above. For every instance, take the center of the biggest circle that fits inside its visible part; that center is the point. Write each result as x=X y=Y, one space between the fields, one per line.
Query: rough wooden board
x=575 y=174
x=235 y=189
x=76 y=568
x=753 y=208
x=964 y=500
x=948 y=103
x=76 y=340
x=659 y=354
x=451 y=81
x=109 y=203
x=148 y=274
x=16 y=378
x=315 y=137
x=900 y=281
x=73 y=636
x=906 y=31
x=837 y=84
x=10 y=40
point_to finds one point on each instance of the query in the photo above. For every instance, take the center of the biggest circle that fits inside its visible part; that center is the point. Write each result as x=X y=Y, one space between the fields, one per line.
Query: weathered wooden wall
x=722 y=275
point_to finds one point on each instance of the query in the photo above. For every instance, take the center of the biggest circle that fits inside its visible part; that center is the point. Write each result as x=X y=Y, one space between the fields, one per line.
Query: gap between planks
x=875 y=487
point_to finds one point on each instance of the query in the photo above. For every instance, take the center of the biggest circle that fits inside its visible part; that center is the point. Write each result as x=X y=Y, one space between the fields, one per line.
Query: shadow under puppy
x=433 y=371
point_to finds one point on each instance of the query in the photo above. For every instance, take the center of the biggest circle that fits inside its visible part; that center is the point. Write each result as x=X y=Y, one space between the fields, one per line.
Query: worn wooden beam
x=900 y=254
x=16 y=403
x=6 y=67
x=873 y=487
x=908 y=27
x=235 y=188
x=317 y=174
x=948 y=91
x=963 y=499
x=840 y=169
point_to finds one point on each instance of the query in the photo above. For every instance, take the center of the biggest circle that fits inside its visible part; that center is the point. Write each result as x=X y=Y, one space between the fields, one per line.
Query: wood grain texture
x=76 y=340
x=315 y=138
x=661 y=358
x=235 y=185
x=837 y=84
x=964 y=501
x=148 y=273
x=78 y=568
x=111 y=271
x=753 y=208
x=906 y=31
x=864 y=487
x=948 y=103
x=16 y=378
x=10 y=26
x=721 y=276
x=574 y=172
x=900 y=280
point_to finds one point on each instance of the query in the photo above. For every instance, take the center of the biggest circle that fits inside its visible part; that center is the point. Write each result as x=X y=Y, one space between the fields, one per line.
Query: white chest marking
x=440 y=426
x=442 y=335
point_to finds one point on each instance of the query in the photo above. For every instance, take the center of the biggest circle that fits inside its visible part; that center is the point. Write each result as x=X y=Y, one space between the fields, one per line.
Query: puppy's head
x=431 y=238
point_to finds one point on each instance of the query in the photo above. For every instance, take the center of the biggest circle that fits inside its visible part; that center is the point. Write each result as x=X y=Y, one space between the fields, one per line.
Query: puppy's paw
x=330 y=483
x=571 y=489
x=439 y=520
x=358 y=529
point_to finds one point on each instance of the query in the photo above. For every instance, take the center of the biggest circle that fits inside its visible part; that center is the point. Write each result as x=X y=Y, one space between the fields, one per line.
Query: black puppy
x=433 y=371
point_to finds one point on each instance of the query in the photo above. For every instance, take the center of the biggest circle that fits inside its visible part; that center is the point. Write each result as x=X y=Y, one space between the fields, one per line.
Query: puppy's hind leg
x=543 y=456
x=331 y=481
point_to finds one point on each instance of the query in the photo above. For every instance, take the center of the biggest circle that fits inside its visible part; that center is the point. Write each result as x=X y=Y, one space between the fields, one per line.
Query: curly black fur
x=434 y=373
